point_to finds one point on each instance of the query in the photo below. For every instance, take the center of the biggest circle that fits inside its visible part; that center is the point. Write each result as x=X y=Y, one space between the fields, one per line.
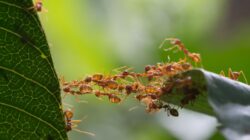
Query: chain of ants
x=160 y=81
x=127 y=82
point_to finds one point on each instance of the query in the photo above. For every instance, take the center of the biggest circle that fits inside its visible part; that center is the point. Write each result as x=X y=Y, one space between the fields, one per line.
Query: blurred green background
x=90 y=36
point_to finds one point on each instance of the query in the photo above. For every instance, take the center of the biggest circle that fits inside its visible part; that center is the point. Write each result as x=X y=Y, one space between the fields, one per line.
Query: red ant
x=152 y=89
x=71 y=124
x=85 y=89
x=174 y=41
x=149 y=102
x=110 y=84
x=112 y=98
x=38 y=6
x=97 y=77
x=234 y=75
x=88 y=79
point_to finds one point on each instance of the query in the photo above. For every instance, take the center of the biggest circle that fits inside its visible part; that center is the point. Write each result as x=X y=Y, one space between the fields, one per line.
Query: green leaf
x=30 y=102
x=222 y=97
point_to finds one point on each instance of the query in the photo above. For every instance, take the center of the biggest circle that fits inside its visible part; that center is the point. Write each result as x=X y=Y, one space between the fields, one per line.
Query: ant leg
x=84 y=132
x=44 y=10
x=133 y=108
x=125 y=81
x=165 y=40
x=119 y=69
x=244 y=76
x=126 y=96
x=84 y=117
x=75 y=122
x=69 y=105
x=65 y=94
x=230 y=74
x=222 y=73
x=169 y=59
x=79 y=101
x=168 y=112
x=134 y=78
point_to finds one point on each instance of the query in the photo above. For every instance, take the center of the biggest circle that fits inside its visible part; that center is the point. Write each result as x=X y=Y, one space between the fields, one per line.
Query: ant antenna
x=84 y=132
x=244 y=76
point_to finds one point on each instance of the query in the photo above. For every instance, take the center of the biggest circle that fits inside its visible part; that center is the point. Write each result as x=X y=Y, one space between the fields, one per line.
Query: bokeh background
x=90 y=36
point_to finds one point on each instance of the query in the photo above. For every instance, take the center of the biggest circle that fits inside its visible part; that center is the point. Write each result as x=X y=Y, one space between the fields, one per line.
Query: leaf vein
x=31 y=80
x=42 y=54
x=41 y=120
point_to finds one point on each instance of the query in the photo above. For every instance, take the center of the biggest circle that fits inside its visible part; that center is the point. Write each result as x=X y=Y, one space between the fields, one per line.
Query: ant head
x=88 y=79
x=68 y=113
x=66 y=89
x=125 y=73
x=147 y=68
x=128 y=89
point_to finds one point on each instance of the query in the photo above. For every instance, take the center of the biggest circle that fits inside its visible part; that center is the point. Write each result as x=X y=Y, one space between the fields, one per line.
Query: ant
x=88 y=79
x=97 y=77
x=124 y=72
x=191 y=95
x=112 y=97
x=109 y=84
x=38 y=6
x=172 y=111
x=135 y=87
x=71 y=124
x=151 y=102
x=142 y=96
x=148 y=101
x=177 y=43
x=234 y=75
x=84 y=89
x=152 y=89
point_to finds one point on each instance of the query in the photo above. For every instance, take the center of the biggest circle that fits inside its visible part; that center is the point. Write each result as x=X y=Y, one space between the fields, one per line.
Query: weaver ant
x=152 y=89
x=71 y=124
x=110 y=84
x=38 y=6
x=97 y=77
x=88 y=79
x=151 y=106
x=112 y=97
x=234 y=75
x=85 y=89
x=177 y=43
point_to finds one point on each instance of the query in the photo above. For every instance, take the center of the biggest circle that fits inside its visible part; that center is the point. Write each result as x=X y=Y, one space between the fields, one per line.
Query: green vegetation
x=30 y=102
x=30 y=99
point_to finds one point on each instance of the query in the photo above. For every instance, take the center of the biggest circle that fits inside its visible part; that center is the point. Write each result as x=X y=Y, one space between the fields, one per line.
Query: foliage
x=30 y=102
